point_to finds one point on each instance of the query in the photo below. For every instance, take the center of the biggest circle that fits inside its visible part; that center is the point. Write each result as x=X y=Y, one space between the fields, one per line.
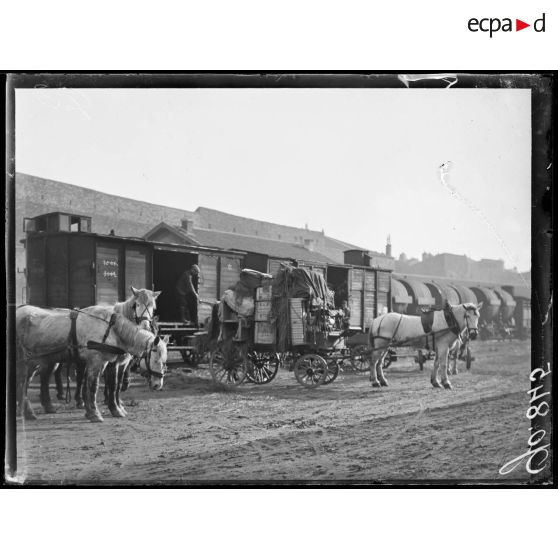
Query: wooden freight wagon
x=69 y=266
x=442 y=292
x=367 y=290
x=421 y=295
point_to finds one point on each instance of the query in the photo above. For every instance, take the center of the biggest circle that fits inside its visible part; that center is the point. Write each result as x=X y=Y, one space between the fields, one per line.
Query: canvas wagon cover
x=294 y=282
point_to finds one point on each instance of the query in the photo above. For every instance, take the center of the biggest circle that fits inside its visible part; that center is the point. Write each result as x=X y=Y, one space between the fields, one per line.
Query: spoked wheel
x=227 y=365
x=261 y=368
x=333 y=369
x=311 y=370
x=360 y=358
x=388 y=358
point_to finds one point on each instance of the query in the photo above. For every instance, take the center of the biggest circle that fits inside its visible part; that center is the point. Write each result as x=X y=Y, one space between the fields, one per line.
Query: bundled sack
x=241 y=299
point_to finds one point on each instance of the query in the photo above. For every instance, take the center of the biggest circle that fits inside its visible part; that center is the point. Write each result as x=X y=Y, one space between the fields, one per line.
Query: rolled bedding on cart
x=241 y=298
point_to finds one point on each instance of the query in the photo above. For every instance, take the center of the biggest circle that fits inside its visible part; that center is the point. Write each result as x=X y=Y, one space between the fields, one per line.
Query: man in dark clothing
x=187 y=294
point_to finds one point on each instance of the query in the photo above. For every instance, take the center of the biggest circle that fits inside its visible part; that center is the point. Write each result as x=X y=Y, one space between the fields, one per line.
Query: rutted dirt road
x=192 y=432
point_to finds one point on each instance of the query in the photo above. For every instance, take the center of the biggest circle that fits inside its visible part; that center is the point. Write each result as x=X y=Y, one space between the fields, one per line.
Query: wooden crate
x=264 y=333
x=263 y=293
x=298 y=326
x=263 y=310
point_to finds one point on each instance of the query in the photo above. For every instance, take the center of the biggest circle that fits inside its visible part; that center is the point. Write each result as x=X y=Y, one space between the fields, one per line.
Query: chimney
x=310 y=244
x=187 y=225
x=388 y=246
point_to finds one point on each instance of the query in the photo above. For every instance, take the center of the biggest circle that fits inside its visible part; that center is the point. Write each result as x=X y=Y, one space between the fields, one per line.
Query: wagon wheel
x=333 y=369
x=360 y=356
x=261 y=368
x=310 y=370
x=227 y=365
x=387 y=360
x=468 y=358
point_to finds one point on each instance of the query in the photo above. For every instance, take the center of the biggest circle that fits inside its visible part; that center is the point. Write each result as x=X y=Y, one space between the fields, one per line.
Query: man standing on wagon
x=187 y=295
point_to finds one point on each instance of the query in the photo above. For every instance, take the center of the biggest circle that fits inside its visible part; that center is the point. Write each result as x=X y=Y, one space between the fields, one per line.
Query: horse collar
x=451 y=320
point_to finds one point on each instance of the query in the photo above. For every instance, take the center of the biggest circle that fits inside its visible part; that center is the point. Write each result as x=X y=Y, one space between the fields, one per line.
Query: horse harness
x=427 y=321
x=390 y=339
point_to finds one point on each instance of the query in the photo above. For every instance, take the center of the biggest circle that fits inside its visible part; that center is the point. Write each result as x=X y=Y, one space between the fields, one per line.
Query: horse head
x=468 y=315
x=153 y=362
x=144 y=306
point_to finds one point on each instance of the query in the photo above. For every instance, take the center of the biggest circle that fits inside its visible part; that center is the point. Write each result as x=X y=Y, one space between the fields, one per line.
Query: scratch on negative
x=450 y=79
x=444 y=169
x=548 y=310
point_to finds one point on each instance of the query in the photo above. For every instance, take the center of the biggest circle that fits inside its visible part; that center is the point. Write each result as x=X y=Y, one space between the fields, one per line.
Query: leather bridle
x=147 y=357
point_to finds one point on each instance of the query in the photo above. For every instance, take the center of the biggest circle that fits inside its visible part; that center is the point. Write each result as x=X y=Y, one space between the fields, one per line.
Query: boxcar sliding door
x=82 y=275
x=384 y=292
x=369 y=306
x=108 y=273
x=208 y=286
x=356 y=281
x=137 y=272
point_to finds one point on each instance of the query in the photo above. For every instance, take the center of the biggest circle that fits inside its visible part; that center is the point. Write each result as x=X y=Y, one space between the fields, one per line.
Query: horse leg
x=22 y=382
x=110 y=374
x=454 y=353
x=434 y=377
x=92 y=373
x=107 y=383
x=59 y=383
x=379 y=364
x=120 y=376
x=126 y=378
x=445 y=365
x=80 y=385
x=45 y=373
x=373 y=372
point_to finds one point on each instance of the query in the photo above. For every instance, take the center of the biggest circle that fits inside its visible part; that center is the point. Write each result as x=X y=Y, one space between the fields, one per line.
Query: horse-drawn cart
x=292 y=323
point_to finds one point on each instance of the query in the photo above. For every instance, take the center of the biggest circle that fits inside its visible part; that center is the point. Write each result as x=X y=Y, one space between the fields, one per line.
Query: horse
x=94 y=336
x=139 y=308
x=399 y=329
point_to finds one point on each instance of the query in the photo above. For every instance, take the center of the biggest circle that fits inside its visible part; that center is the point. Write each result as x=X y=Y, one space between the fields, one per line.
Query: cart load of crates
x=288 y=319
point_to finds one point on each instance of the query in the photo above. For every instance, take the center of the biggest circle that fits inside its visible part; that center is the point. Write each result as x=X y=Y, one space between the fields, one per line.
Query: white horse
x=395 y=329
x=95 y=336
x=139 y=308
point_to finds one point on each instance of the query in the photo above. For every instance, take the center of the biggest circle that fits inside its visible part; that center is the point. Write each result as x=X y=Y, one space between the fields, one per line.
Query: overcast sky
x=359 y=163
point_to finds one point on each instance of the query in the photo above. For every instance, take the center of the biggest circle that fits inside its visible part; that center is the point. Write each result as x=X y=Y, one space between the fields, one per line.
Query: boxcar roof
x=137 y=240
x=418 y=290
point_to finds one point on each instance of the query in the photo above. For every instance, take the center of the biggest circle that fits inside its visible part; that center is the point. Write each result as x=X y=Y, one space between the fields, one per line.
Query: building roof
x=258 y=245
x=246 y=243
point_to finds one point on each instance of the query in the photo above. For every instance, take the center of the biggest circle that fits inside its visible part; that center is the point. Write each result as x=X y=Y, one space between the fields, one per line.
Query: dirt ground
x=192 y=432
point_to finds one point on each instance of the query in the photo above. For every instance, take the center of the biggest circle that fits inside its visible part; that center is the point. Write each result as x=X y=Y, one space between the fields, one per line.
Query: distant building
x=455 y=266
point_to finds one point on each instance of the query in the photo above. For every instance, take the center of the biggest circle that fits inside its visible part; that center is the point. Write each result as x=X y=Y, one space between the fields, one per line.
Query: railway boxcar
x=69 y=266
x=491 y=303
x=367 y=291
x=522 y=313
x=466 y=295
x=442 y=292
x=419 y=292
x=400 y=298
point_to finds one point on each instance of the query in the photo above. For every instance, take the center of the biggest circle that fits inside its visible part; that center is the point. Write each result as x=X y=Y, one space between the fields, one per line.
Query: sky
x=358 y=163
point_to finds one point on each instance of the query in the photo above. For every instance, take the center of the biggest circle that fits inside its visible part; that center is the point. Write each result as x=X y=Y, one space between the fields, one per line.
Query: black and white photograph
x=291 y=279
